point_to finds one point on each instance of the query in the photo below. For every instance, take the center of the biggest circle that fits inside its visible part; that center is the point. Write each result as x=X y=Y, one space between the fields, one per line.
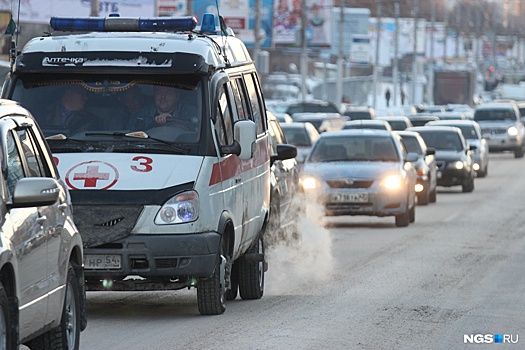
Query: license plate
x=102 y=262
x=349 y=197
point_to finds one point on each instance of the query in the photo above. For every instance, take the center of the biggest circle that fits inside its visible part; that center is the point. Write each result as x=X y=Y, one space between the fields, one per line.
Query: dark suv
x=453 y=160
x=42 y=293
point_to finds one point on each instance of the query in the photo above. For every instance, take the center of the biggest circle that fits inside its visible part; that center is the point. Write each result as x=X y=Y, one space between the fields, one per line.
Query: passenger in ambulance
x=167 y=109
x=68 y=111
x=133 y=100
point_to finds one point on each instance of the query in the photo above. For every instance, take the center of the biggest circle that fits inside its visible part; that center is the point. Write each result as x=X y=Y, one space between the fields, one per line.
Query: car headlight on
x=309 y=183
x=392 y=182
x=513 y=131
x=181 y=208
x=456 y=165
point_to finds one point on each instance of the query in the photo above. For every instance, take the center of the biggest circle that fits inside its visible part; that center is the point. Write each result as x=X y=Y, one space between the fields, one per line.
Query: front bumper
x=452 y=177
x=181 y=255
x=503 y=142
x=379 y=203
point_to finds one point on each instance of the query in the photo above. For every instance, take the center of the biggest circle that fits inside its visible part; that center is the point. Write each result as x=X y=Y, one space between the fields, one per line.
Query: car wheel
x=403 y=220
x=211 y=291
x=231 y=293
x=6 y=335
x=423 y=197
x=412 y=214
x=67 y=334
x=468 y=185
x=251 y=272
x=519 y=152
x=433 y=195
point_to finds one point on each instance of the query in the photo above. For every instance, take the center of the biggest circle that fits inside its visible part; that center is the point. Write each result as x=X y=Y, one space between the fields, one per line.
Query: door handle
x=41 y=219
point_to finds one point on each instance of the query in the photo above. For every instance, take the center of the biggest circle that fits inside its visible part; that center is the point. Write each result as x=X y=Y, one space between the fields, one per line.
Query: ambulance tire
x=231 y=293
x=211 y=291
x=251 y=271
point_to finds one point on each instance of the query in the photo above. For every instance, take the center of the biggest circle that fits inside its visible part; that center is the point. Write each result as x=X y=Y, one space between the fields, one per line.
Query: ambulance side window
x=256 y=102
x=223 y=122
x=238 y=94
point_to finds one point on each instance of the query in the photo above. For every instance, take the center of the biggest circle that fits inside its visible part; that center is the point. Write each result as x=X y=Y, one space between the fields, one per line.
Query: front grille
x=347 y=183
x=166 y=263
x=494 y=131
x=99 y=225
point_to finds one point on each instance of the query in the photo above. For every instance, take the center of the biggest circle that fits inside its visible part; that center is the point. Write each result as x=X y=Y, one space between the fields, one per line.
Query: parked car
x=451 y=115
x=360 y=172
x=367 y=124
x=472 y=133
x=397 y=122
x=453 y=160
x=282 y=226
x=42 y=289
x=359 y=112
x=501 y=125
x=302 y=136
x=425 y=165
x=321 y=121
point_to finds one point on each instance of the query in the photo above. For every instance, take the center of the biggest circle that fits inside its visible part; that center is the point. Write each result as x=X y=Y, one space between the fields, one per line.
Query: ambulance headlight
x=181 y=208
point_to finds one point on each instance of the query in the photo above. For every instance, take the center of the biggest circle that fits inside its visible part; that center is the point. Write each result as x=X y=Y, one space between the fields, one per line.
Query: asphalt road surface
x=360 y=283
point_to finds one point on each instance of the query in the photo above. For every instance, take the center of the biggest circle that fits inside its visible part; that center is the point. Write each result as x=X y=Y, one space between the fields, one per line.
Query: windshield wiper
x=141 y=135
x=63 y=138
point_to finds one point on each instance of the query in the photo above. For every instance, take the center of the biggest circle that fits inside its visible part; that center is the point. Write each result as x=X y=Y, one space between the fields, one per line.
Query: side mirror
x=431 y=151
x=245 y=135
x=35 y=192
x=284 y=151
x=472 y=147
x=412 y=157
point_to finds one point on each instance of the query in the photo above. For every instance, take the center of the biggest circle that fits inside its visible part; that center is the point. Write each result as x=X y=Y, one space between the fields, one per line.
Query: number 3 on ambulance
x=162 y=141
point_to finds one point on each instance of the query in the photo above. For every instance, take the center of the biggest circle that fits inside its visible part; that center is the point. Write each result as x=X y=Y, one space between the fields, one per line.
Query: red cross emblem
x=93 y=174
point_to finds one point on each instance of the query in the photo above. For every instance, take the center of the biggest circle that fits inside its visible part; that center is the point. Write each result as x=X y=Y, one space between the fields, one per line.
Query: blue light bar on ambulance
x=122 y=24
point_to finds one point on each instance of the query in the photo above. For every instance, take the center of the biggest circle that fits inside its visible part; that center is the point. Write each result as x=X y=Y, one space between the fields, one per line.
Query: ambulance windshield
x=98 y=109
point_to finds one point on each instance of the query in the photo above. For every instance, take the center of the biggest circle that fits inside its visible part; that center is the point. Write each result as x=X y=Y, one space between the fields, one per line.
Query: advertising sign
x=38 y=11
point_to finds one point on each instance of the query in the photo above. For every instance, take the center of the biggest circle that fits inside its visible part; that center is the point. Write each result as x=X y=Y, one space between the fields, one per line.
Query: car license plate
x=102 y=262
x=349 y=197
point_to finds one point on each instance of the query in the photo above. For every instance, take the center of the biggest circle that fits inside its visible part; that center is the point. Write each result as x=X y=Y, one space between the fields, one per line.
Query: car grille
x=349 y=183
x=166 y=263
x=104 y=224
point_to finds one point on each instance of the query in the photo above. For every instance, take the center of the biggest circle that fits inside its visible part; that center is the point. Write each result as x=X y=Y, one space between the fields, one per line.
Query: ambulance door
x=229 y=164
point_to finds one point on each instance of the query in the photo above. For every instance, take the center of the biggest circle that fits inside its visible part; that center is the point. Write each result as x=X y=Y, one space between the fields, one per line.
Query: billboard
x=287 y=23
x=38 y=11
x=239 y=15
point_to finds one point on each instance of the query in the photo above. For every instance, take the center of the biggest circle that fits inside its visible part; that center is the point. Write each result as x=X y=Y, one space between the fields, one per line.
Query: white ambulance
x=164 y=197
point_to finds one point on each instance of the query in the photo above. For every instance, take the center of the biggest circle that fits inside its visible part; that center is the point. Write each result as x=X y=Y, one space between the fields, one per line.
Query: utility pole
x=94 y=8
x=376 y=64
x=395 y=71
x=304 y=50
x=446 y=36
x=257 y=29
x=414 y=58
x=340 y=56
x=430 y=85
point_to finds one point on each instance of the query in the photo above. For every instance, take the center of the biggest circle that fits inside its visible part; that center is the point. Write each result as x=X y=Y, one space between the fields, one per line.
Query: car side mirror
x=431 y=151
x=35 y=192
x=245 y=135
x=472 y=147
x=284 y=151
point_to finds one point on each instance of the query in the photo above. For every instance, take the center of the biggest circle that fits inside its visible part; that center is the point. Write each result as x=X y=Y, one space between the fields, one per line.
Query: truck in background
x=454 y=86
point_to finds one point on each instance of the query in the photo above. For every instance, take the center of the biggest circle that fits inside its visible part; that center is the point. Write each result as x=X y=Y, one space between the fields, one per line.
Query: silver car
x=302 y=136
x=360 y=172
x=472 y=133
x=42 y=288
x=501 y=124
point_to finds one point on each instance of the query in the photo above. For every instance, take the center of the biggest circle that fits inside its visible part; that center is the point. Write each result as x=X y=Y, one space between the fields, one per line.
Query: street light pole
x=395 y=71
x=430 y=91
x=94 y=8
x=340 y=57
x=376 y=64
x=414 y=58
x=304 y=50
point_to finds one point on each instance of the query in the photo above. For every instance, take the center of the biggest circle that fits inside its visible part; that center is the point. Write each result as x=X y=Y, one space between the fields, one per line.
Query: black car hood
x=447 y=156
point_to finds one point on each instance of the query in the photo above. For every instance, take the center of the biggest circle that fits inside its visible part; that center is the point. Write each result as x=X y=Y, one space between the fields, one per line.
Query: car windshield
x=469 y=132
x=355 y=115
x=397 y=124
x=296 y=136
x=311 y=108
x=446 y=141
x=412 y=145
x=103 y=111
x=355 y=148
x=495 y=115
x=365 y=126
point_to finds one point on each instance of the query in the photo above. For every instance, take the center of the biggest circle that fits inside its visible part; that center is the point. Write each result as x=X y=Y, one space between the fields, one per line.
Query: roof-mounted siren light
x=115 y=23
x=209 y=25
